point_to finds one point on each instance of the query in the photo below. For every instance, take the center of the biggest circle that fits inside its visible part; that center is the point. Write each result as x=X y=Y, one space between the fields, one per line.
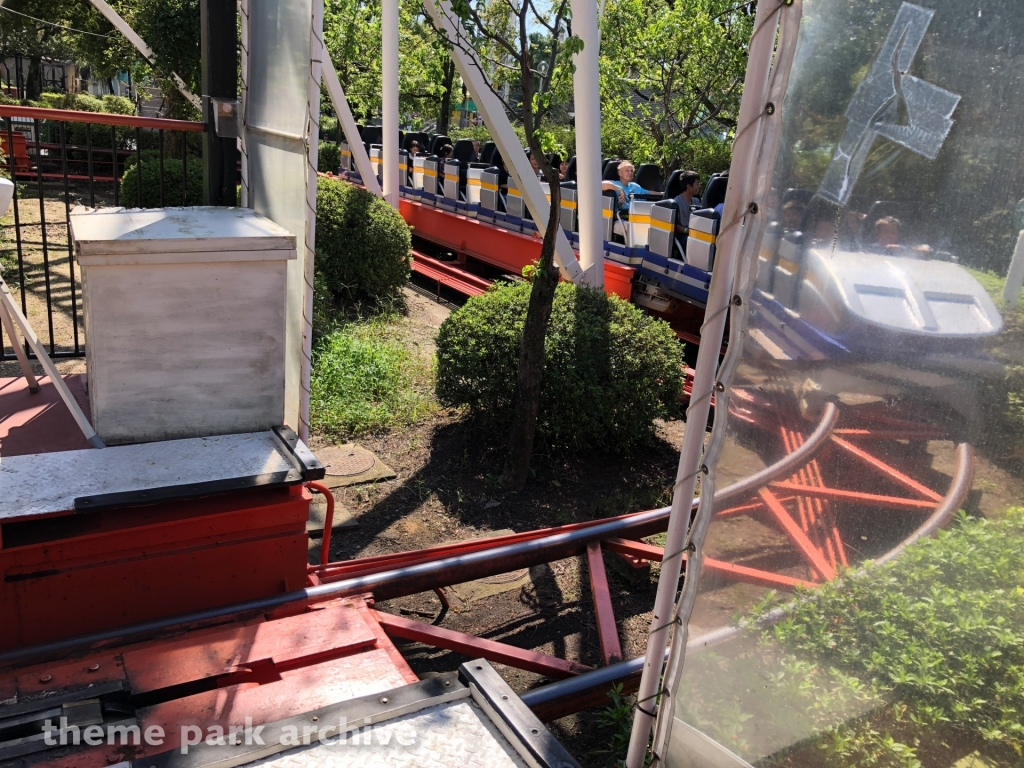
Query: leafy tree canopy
x=671 y=75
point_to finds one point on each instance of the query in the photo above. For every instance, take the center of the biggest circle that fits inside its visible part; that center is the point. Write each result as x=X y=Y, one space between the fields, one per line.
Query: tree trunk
x=444 y=115
x=33 y=80
x=530 y=376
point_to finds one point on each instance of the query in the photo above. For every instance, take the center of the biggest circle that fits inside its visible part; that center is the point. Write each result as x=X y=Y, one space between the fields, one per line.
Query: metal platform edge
x=475 y=679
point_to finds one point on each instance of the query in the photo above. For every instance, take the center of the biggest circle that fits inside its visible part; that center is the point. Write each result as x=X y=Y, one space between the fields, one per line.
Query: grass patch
x=365 y=379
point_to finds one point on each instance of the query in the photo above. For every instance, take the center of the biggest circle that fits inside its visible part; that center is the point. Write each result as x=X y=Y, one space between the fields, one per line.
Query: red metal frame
x=802 y=506
x=76 y=116
x=794 y=497
x=476 y=647
x=607 y=631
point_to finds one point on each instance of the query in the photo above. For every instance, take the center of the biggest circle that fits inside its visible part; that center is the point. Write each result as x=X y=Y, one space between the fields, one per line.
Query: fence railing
x=61 y=158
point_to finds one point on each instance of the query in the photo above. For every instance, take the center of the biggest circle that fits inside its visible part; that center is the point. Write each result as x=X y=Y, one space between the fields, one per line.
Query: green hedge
x=892 y=666
x=610 y=370
x=362 y=243
x=151 y=181
x=328 y=157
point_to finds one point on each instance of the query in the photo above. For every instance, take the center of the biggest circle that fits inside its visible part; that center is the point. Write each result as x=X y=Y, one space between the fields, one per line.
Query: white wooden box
x=184 y=320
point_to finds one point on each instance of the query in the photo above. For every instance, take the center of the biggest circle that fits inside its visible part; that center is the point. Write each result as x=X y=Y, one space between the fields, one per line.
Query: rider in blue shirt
x=624 y=187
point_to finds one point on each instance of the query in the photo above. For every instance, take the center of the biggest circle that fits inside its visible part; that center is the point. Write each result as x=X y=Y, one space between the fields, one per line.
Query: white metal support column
x=652 y=698
x=587 y=91
x=348 y=126
x=389 y=107
x=505 y=138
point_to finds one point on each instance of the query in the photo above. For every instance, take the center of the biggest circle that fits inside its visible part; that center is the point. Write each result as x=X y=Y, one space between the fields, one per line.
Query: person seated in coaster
x=624 y=188
x=690 y=182
x=414 y=149
x=535 y=165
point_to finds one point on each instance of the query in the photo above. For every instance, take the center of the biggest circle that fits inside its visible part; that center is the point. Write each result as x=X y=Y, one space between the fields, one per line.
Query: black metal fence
x=59 y=159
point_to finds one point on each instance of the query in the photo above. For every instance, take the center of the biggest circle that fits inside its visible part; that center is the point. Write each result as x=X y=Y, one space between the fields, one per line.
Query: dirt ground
x=447 y=490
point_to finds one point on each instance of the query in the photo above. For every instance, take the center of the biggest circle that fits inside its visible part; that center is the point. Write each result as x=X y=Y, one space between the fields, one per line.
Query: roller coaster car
x=872 y=322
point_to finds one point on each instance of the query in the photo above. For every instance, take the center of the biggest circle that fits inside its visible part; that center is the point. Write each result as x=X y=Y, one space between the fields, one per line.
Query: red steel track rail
x=449 y=275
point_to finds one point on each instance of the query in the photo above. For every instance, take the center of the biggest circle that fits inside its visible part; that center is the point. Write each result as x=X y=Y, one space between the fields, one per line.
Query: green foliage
x=328 y=157
x=609 y=369
x=362 y=243
x=352 y=34
x=151 y=182
x=118 y=105
x=66 y=101
x=328 y=124
x=672 y=73
x=363 y=380
x=478 y=132
x=617 y=721
x=883 y=663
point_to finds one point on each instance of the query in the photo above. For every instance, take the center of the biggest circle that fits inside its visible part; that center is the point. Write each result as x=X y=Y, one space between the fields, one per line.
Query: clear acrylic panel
x=864 y=604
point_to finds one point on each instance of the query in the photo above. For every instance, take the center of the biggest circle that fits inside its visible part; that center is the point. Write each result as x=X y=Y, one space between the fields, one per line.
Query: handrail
x=103 y=118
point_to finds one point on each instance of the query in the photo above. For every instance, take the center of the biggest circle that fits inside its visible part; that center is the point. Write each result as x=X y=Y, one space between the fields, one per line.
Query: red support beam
x=635 y=548
x=867 y=499
x=891 y=472
x=811 y=553
x=369 y=565
x=737 y=572
x=607 y=631
x=477 y=647
x=892 y=434
x=504 y=249
x=755 y=575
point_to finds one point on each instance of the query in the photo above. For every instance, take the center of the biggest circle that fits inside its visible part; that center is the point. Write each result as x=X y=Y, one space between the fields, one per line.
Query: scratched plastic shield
x=862 y=601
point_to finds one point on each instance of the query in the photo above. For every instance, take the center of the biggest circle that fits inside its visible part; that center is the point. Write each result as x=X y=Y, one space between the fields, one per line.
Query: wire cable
x=50 y=23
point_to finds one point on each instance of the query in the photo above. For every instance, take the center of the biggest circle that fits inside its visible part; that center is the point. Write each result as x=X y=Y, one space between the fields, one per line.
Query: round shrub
x=151 y=182
x=328 y=157
x=609 y=369
x=362 y=243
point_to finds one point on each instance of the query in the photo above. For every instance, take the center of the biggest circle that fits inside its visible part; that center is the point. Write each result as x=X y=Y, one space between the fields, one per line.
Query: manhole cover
x=342 y=461
x=505 y=578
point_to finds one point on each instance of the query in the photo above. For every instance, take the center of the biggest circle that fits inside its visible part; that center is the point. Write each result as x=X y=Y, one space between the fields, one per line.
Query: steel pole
x=219 y=30
x=389 y=74
x=587 y=92
x=745 y=149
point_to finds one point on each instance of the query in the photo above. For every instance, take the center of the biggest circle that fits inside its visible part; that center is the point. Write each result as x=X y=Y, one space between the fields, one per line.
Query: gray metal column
x=219 y=34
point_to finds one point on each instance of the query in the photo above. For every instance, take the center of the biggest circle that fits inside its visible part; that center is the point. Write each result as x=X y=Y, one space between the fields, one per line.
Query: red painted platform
x=39 y=423
x=71 y=574
x=266 y=668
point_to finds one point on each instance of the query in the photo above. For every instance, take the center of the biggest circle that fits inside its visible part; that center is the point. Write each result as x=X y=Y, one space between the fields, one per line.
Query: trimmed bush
x=609 y=370
x=151 y=182
x=328 y=157
x=118 y=105
x=362 y=243
x=82 y=102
